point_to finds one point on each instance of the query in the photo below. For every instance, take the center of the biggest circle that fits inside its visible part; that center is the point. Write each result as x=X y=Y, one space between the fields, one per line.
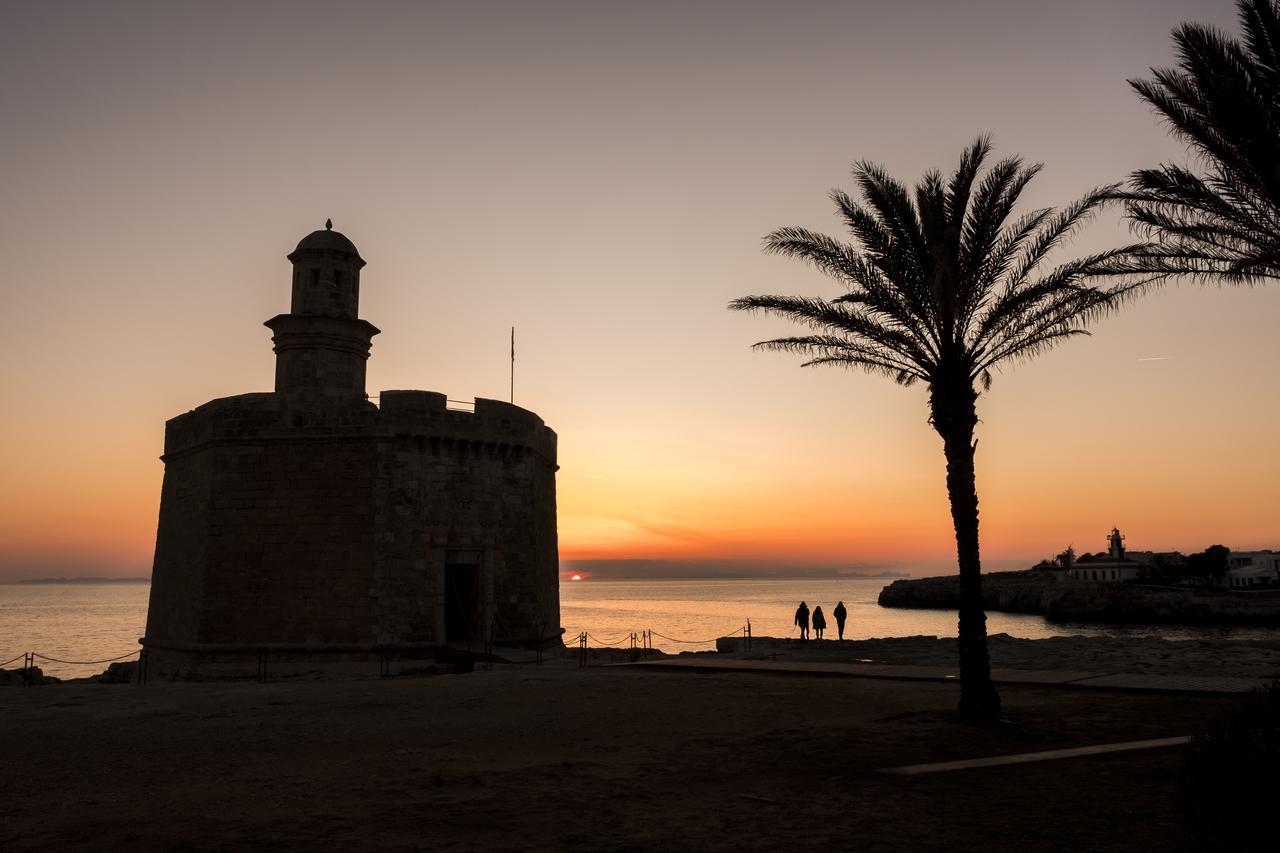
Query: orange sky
x=600 y=176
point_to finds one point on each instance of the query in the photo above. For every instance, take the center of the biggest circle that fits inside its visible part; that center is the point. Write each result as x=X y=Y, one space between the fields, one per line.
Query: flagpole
x=513 y=365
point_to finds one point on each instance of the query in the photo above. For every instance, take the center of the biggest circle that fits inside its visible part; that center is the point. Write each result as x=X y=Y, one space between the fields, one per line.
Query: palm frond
x=945 y=283
x=1054 y=229
x=892 y=205
x=820 y=315
x=867 y=284
x=833 y=349
x=1221 y=221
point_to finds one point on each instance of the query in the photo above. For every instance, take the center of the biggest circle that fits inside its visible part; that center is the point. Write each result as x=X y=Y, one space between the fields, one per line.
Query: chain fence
x=638 y=642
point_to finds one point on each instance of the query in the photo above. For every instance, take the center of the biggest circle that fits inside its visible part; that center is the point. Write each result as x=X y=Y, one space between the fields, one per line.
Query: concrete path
x=1028 y=757
x=1189 y=683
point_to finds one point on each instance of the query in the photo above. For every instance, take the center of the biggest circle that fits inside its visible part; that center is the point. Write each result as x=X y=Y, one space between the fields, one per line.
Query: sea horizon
x=79 y=621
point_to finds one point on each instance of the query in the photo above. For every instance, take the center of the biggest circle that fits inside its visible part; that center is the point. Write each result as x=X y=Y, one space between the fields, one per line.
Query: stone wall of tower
x=325 y=283
x=266 y=526
x=293 y=528
x=291 y=546
x=320 y=356
x=177 y=574
x=463 y=487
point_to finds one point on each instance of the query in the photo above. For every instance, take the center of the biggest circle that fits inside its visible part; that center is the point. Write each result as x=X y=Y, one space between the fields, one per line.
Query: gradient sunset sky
x=599 y=175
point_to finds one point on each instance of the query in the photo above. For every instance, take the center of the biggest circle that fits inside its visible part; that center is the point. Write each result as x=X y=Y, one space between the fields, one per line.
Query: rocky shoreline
x=1082 y=601
x=121 y=672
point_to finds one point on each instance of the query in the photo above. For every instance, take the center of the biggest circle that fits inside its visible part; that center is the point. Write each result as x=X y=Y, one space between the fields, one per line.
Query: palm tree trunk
x=954 y=417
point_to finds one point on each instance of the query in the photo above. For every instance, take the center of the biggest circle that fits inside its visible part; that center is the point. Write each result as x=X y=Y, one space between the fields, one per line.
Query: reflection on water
x=80 y=622
x=97 y=621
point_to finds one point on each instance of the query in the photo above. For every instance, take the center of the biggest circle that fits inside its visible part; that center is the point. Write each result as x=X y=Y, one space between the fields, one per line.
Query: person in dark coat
x=819 y=622
x=802 y=619
x=841 y=614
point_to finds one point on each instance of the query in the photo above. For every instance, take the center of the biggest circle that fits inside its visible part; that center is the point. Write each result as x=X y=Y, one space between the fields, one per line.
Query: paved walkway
x=1029 y=757
x=1188 y=683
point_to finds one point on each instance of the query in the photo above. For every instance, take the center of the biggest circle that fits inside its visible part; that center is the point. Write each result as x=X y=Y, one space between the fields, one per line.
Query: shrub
x=1231 y=780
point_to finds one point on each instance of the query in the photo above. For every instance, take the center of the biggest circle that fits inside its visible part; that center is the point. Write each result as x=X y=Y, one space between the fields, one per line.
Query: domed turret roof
x=326 y=238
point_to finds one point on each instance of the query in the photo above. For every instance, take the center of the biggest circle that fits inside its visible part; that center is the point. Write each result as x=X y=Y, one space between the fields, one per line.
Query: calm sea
x=92 y=622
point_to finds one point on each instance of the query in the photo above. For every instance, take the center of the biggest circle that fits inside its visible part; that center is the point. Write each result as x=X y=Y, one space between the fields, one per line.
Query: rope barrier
x=698 y=642
x=607 y=642
x=85 y=662
x=612 y=643
x=604 y=644
x=641 y=641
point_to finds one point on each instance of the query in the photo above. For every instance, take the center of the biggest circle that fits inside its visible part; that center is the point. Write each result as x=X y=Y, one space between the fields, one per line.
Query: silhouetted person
x=819 y=622
x=802 y=619
x=841 y=614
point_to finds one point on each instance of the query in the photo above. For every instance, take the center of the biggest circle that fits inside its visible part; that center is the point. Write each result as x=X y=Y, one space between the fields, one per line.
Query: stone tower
x=309 y=525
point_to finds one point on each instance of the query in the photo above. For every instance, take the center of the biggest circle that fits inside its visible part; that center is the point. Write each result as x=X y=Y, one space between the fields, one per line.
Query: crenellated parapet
x=404 y=415
x=424 y=415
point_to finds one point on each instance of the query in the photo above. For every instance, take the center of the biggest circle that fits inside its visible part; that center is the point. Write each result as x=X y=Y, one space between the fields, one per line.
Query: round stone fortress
x=309 y=524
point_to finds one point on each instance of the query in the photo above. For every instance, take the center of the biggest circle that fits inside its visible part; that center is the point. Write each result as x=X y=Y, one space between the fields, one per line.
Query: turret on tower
x=322 y=345
x=1116 y=541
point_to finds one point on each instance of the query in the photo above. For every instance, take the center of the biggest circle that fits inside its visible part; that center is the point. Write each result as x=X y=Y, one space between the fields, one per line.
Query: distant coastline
x=646 y=572
x=1084 y=601
x=781 y=575
x=876 y=575
x=40 y=581
x=670 y=570
x=650 y=574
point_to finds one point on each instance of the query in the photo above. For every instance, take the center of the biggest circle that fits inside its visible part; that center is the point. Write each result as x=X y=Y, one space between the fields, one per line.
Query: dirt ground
x=597 y=759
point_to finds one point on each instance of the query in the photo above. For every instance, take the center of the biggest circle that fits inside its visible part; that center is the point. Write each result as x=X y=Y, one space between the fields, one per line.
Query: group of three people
x=819 y=620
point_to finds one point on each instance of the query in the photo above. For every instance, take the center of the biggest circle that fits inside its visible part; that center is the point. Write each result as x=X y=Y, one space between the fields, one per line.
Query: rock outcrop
x=30 y=676
x=121 y=672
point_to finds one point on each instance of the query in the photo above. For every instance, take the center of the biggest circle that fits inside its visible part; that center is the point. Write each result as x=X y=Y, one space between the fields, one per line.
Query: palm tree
x=1223 y=100
x=942 y=289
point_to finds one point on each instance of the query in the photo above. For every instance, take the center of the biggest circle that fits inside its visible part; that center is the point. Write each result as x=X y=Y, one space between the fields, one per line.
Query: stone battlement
x=421 y=416
x=425 y=414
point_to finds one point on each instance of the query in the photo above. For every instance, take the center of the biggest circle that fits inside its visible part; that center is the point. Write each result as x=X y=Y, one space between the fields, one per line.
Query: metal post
x=582 y=649
x=28 y=664
x=488 y=648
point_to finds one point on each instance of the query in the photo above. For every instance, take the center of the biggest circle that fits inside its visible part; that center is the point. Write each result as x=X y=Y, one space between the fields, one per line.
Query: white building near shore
x=1113 y=568
x=1252 y=569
